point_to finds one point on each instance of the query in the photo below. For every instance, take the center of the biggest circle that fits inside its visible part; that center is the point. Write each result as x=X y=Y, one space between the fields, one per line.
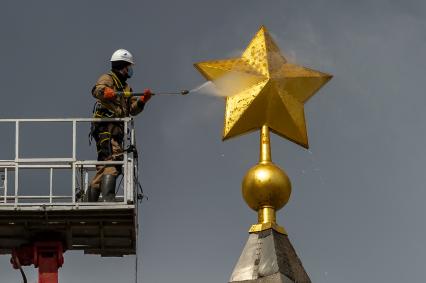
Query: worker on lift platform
x=114 y=100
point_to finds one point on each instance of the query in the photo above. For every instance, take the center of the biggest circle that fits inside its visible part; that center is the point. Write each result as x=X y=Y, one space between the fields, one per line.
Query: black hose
x=119 y=184
x=16 y=260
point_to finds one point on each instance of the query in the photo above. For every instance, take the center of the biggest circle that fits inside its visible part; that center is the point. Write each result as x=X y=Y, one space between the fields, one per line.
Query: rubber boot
x=92 y=194
x=108 y=188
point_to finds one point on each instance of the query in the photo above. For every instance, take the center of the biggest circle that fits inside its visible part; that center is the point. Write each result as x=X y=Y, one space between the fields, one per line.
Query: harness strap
x=102 y=111
x=119 y=85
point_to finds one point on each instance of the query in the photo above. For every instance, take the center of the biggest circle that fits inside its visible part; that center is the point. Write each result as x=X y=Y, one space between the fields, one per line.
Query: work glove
x=109 y=94
x=146 y=95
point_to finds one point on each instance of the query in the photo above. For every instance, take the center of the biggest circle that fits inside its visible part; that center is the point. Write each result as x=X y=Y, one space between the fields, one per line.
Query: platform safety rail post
x=74 y=144
x=5 y=180
x=16 y=160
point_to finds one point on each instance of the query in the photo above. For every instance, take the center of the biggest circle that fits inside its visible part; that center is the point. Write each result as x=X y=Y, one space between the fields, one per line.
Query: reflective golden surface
x=264 y=89
x=266 y=219
x=266 y=188
x=266 y=214
x=255 y=228
x=266 y=185
x=265 y=145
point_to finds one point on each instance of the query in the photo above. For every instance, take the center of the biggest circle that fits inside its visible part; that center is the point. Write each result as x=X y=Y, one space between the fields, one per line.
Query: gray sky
x=357 y=209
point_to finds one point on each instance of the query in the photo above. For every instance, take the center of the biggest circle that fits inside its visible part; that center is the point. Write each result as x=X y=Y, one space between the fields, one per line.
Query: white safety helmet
x=122 y=55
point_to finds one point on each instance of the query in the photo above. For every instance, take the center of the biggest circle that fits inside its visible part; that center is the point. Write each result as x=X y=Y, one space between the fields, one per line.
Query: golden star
x=262 y=88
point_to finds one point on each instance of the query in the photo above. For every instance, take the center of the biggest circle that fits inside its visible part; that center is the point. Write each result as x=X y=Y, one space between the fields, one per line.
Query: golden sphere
x=266 y=185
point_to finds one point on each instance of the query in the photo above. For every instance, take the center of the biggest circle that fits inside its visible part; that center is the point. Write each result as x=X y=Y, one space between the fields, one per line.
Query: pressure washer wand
x=182 y=92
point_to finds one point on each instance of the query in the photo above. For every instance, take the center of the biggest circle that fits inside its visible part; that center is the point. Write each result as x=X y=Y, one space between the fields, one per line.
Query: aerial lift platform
x=37 y=229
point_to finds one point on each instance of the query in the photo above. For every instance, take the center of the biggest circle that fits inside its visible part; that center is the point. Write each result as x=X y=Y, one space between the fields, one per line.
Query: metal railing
x=10 y=169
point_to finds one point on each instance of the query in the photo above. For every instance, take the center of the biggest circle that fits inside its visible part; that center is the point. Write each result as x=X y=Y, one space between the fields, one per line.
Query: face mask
x=129 y=71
